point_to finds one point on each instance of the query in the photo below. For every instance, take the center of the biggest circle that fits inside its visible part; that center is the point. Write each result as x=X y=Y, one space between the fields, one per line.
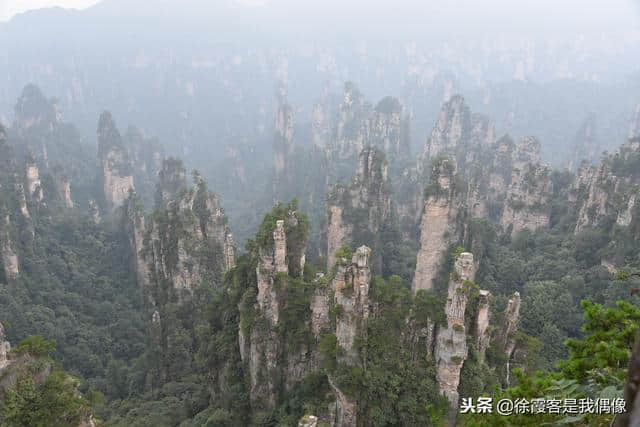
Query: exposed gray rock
x=187 y=249
x=345 y=412
x=5 y=348
x=608 y=190
x=528 y=197
x=585 y=144
x=116 y=164
x=482 y=336
x=308 y=421
x=172 y=179
x=390 y=129
x=439 y=224
x=634 y=128
x=363 y=207
x=63 y=187
x=353 y=126
x=283 y=145
x=94 y=211
x=351 y=290
x=32 y=177
x=451 y=341
x=507 y=335
x=10 y=262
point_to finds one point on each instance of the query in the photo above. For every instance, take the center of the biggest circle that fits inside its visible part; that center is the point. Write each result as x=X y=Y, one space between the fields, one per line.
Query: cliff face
x=321 y=126
x=608 y=190
x=343 y=135
x=454 y=121
x=274 y=362
x=5 y=347
x=172 y=179
x=117 y=169
x=634 y=128
x=283 y=140
x=528 y=198
x=585 y=144
x=451 y=341
x=507 y=334
x=458 y=132
x=32 y=179
x=10 y=262
x=184 y=245
x=390 y=130
x=440 y=226
x=356 y=213
x=482 y=336
x=34 y=113
x=468 y=140
x=351 y=290
x=63 y=187
x=147 y=154
x=503 y=182
x=352 y=128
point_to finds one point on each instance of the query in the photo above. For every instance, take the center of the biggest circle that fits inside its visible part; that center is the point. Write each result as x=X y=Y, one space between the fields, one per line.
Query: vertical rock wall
x=528 y=198
x=451 y=341
x=439 y=226
x=117 y=169
x=10 y=262
x=360 y=210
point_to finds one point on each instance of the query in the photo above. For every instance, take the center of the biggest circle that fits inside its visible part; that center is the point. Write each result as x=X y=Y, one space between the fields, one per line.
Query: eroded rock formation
x=63 y=187
x=283 y=140
x=507 y=335
x=607 y=190
x=172 y=179
x=184 y=245
x=117 y=169
x=34 y=113
x=458 y=133
x=585 y=144
x=10 y=262
x=440 y=226
x=356 y=213
x=451 y=341
x=32 y=179
x=482 y=335
x=5 y=348
x=390 y=129
x=351 y=289
x=321 y=126
x=262 y=345
x=528 y=198
x=352 y=129
x=634 y=128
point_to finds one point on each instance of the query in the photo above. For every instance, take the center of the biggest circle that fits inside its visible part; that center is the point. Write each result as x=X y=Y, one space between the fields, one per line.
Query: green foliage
x=428 y=306
x=52 y=402
x=294 y=325
x=459 y=250
x=396 y=388
x=345 y=252
x=36 y=346
x=611 y=333
x=596 y=368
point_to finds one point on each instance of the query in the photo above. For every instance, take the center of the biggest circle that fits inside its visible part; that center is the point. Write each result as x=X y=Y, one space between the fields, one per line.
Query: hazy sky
x=599 y=14
x=9 y=8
